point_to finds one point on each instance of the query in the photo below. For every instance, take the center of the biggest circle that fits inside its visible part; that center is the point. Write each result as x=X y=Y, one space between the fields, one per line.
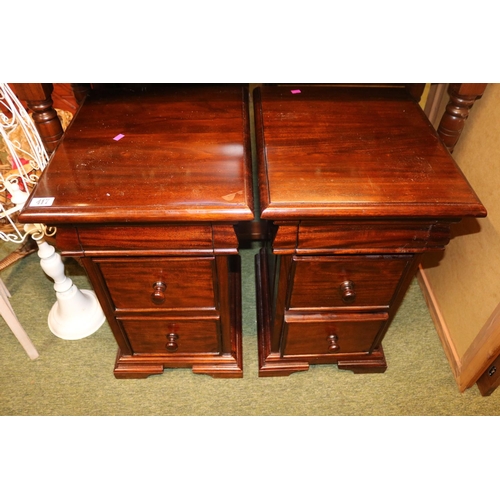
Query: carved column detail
x=462 y=98
x=38 y=97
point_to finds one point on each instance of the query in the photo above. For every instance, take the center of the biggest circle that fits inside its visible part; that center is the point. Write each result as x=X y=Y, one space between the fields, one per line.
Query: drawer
x=160 y=283
x=333 y=282
x=397 y=236
x=132 y=238
x=341 y=336
x=175 y=337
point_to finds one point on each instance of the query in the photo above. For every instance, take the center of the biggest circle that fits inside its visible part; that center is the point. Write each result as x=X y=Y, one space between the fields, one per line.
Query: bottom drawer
x=331 y=337
x=172 y=337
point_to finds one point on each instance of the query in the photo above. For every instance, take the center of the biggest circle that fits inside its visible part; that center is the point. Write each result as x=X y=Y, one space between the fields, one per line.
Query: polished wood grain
x=38 y=97
x=348 y=334
x=317 y=281
x=188 y=283
x=158 y=239
x=370 y=236
x=152 y=216
x=335 y=152
x=172 y=337
x=184 y=156
x=356 y=185
x=462 y=98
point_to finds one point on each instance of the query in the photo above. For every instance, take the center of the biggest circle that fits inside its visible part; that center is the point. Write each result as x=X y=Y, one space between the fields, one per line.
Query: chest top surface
x=183 y=155
x=353 y=152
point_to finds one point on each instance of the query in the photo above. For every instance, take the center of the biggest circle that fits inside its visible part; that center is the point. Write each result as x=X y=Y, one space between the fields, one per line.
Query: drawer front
x=381 y=237
x=172 y=336
x=132 y=238
x=160 y=283
x=333 y=282
x=330 y=337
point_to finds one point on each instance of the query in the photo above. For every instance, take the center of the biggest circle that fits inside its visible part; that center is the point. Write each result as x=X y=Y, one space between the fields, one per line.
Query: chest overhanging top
x=330 y=152
x=183 y=155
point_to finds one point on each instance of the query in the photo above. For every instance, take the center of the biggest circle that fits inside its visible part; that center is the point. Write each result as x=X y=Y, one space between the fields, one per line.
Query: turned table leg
x=38 y=97
x=462 y=98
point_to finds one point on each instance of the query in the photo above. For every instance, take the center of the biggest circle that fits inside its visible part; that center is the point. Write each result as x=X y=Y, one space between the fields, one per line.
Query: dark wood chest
x=145 y=190
x=356 y=186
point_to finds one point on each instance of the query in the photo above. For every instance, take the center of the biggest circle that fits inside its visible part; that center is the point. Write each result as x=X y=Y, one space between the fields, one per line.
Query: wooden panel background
x=463 y=285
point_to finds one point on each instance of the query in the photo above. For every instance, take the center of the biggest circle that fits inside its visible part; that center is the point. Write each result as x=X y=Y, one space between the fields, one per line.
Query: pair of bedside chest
x=147 y=187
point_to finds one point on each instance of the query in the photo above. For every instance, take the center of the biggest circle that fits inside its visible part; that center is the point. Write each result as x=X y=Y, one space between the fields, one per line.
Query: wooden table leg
x=462 y=98
x=38 y=97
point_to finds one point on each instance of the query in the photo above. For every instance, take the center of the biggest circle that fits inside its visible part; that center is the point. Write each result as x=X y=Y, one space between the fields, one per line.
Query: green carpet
x=76 y=377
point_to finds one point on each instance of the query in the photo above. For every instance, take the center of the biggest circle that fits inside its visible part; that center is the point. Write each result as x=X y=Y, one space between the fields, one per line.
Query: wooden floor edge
x=442 y=329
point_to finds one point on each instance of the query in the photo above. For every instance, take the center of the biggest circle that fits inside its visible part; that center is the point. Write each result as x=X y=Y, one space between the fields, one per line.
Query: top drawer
x=160 y=283
x=370 y=237
x=131 y=238
x=333 y=282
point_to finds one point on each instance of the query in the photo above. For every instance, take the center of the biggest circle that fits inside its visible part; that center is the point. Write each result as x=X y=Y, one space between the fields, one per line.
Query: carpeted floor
x=76 y=377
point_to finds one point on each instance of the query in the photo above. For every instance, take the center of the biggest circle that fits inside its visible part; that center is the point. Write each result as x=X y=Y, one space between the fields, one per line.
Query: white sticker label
x=42 y=202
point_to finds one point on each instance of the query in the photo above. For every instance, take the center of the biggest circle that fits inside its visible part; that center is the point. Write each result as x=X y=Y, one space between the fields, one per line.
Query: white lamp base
x=76 y=315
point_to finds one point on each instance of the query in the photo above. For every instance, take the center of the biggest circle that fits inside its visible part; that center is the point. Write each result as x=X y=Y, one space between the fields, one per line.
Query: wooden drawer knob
x=332 y=343
x=158 y=296
x=347 y=292
x=172 y=345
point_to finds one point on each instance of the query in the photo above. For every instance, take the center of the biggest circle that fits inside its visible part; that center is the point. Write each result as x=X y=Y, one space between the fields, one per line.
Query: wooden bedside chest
x=145 y=189
x=357 y=186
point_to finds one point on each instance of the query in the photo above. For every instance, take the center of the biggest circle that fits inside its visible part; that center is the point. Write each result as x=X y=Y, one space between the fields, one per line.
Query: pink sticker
x=295 y=91
x=118 y=137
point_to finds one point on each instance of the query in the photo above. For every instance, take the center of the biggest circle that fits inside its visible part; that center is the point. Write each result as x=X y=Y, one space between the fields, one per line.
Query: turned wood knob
x=158 y=296
x=172 y=345
x=333 y=346
x=347 y=292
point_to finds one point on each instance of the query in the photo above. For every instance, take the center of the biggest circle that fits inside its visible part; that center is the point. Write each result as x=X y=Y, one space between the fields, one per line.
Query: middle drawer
x=323 y=282
x=170 y=283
